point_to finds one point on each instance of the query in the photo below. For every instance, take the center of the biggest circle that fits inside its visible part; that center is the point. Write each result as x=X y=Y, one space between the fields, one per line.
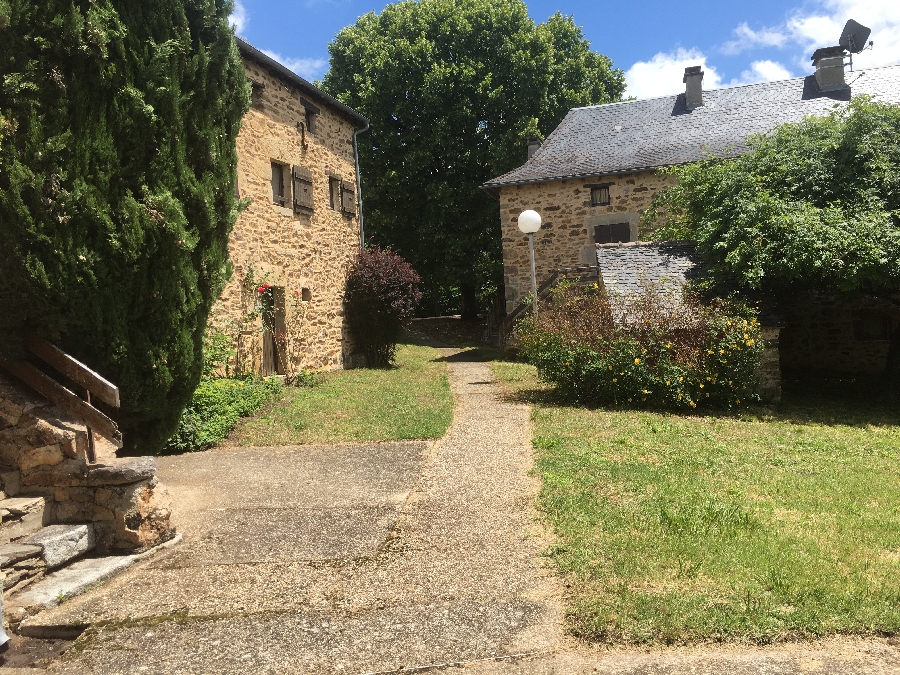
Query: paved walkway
x=375 y=558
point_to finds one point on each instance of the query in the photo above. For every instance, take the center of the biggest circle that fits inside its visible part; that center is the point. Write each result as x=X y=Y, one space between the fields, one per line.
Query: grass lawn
x=783 y=522
x=412 y=400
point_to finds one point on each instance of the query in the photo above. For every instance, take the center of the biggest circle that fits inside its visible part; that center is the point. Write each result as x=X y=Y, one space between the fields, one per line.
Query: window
x=600 y=196
x=279 y=186
x=612 y=234
x=303 y=190
x=334 y=192
x=311 y=114
x=872 y=326
x=256 y=93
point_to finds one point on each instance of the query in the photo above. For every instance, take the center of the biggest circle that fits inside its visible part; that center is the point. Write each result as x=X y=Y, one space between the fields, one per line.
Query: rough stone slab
x=119 y=471
x=62 y=543
x=75 y=473
x=12 y=481
x=14 y=553
x=19 y=506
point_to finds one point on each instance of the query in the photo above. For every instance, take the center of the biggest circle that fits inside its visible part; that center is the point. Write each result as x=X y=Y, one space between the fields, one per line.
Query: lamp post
x=529 y=223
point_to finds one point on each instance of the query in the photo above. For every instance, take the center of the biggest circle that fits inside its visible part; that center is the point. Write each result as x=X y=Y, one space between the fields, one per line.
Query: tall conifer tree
x=118 y=122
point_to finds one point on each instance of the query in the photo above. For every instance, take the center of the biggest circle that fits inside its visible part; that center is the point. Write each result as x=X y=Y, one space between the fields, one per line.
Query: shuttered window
x=303 y=189
x=612 y=234
x=348 y=200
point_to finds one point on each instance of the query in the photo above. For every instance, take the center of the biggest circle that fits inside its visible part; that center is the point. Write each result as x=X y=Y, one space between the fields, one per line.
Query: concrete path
x=402 y=557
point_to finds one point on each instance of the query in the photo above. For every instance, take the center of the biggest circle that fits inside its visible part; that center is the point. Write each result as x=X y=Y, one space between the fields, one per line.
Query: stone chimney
x=829 y=63
x=693 y=92
x=533 y=145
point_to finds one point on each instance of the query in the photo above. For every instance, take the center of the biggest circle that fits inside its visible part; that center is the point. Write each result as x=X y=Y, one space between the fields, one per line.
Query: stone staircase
x=30 y=547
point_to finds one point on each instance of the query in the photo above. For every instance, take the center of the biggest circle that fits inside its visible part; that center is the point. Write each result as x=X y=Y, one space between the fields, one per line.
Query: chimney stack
x=533 y=145
x=693 y=93
x=829 y=63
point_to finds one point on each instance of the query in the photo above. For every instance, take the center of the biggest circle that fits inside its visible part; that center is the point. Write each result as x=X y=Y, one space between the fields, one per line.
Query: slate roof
x=625 y=268
x=641 y=135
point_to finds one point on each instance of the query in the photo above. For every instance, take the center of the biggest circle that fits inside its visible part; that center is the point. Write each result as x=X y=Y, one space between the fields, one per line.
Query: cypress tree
x=118 y=122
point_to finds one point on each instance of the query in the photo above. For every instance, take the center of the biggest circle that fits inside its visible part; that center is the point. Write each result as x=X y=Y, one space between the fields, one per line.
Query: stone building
x=297 y=167
x=595 y=175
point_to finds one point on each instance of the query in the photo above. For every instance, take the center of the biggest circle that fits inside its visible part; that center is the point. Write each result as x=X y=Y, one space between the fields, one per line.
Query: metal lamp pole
x=529 y=223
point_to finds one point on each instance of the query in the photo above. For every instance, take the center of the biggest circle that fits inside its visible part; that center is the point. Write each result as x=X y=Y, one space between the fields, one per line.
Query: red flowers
x=264 y=288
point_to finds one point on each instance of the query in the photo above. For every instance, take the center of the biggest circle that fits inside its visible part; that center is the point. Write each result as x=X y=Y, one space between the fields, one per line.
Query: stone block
x=14 y=553
x=47 y=455
x=61 y=543
x=11 y=481
x=119 y=471
x=21 y=506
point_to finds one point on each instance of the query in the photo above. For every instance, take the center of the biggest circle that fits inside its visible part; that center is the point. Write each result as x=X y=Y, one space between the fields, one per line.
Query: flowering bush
x=653 y=349
x=381 y=296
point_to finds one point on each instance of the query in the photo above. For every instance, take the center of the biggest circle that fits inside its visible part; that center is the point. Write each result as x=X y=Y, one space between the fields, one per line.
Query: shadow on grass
x=799 y=405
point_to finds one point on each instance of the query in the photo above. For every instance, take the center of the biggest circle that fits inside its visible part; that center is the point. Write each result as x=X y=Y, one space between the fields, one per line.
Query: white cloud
x=763 y=71
x=238 y=17
x=747 y=38
x=820 y=25
x=663 y=74
x=308 y=69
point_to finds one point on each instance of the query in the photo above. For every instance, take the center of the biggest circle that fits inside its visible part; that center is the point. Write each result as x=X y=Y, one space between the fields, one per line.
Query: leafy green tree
x=814 y=204
x=453 y=88
x=118 y=122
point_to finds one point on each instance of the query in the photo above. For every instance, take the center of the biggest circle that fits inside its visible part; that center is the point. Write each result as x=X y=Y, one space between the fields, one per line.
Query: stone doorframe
x=588 y=254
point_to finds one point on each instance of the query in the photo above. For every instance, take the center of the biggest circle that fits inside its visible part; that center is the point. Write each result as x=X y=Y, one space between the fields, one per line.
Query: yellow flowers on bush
x=644 y=349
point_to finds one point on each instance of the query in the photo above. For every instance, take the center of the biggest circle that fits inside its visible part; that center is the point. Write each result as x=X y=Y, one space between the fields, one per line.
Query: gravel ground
x=402 y=557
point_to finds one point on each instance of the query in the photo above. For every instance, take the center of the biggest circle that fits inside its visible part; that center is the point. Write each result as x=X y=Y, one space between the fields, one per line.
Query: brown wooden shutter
x=348 y=200
x=303 y=189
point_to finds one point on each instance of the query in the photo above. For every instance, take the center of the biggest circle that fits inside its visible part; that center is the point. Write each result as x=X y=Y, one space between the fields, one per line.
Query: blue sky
x=653 y=41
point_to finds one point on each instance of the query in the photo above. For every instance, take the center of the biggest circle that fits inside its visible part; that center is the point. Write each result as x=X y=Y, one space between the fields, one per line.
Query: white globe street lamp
x=529 y=223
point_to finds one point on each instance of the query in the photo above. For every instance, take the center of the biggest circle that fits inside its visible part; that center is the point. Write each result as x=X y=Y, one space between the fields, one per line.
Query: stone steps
x=31 y=556
x=21 y=517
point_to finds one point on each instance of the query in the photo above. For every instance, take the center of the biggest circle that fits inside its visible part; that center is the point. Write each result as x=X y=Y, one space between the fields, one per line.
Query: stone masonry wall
x=43 y=452
x=566 y=238
x=821 y=337
x=295 y=250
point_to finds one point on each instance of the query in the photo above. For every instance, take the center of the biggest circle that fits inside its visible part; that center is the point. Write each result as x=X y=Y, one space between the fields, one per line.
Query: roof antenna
x=853 y=39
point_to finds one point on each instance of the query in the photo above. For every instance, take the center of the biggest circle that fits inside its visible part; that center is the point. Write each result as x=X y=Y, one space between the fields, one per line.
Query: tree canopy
x=815 y=203
x=452 y=89
x=118 y=122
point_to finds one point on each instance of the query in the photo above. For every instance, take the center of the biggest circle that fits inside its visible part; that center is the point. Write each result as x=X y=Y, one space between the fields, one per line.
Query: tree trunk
x=469 y=303
x=892 y=370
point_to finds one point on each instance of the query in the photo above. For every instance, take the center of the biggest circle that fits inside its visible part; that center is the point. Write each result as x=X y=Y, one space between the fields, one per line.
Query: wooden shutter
x=612 y=234
x=303 y=189
x=348 y=199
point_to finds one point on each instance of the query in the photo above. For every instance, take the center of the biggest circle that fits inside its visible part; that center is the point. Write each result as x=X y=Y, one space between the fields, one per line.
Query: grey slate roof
x=625 y=268
x=635 y=135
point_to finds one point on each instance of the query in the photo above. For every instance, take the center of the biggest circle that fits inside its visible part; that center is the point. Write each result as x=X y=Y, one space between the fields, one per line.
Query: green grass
x=412 y=400
x=783 y=522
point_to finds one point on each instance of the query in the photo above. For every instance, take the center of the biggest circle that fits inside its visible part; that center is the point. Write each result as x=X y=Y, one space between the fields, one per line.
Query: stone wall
x=566 y=238
x=836 y=335
x=303 y=252
x=43 y=452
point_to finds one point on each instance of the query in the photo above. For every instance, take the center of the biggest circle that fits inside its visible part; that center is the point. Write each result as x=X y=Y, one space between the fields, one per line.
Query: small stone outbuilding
x=297 y=167
x=596 y=174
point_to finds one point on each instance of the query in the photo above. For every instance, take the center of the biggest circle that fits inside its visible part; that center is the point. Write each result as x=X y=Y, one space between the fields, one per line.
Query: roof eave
x=252 y=52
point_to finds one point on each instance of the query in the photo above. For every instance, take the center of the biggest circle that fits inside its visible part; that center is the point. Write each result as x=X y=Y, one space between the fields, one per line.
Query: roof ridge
x=706 y=91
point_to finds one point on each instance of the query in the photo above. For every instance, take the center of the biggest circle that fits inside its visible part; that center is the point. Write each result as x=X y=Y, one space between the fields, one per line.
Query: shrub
x=118 y=122
x=381 y=296
x=216 y=407
x=653 y=349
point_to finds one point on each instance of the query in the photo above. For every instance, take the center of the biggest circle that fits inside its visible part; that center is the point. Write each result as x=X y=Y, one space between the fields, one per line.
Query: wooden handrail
x=56 y=393
x=76 y=371
x=65 y=399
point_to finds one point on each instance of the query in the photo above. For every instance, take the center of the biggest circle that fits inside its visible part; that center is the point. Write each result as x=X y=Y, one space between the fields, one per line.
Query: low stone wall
x=43 y=452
